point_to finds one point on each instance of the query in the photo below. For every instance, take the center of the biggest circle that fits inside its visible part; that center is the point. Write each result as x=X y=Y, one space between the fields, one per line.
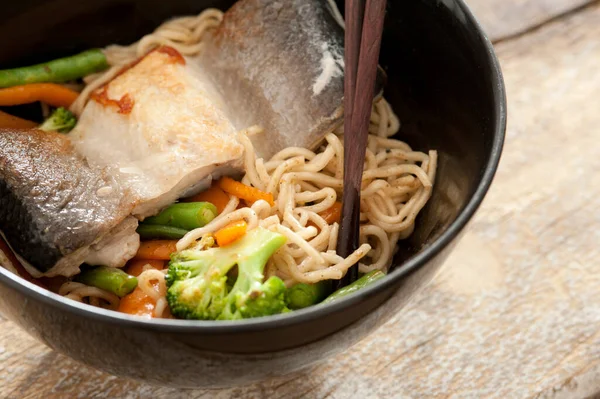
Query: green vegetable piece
x=158 y=232
x=61 y=120
x=303 y=295
x=185 y=215
x=362 y=282
x=56 y=71
x=109 y=279
x=197 y=280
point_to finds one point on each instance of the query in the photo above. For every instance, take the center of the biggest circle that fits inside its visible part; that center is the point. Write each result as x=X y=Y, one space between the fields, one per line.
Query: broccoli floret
x=61 y=120
x=198 y=286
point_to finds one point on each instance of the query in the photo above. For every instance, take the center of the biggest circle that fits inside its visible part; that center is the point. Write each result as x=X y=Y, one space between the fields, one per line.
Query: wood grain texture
x=515 y=312
x=505 y=18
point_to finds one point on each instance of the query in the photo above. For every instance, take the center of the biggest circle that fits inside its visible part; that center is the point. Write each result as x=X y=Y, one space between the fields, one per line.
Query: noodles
x=397 y=183
x=152 y=283
x=86 y=294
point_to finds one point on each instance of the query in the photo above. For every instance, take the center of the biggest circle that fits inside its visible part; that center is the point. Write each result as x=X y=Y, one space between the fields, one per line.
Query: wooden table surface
x=515 y=310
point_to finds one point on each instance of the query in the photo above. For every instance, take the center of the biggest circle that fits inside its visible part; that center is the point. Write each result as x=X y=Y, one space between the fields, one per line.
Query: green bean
x=109 y=279
x=304 y=295
x=156 y=231
x=59 y=70
x=185 y=215
x=362 y=282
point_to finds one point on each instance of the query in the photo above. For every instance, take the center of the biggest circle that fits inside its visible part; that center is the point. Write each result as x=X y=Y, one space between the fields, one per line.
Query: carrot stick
x=14 y=122
x=49 y=93
x=333 y=213
x=231 y=233
x=137 y=303
x=240 y=190
x=135 y=267
x=156 y=250
x=214 y=195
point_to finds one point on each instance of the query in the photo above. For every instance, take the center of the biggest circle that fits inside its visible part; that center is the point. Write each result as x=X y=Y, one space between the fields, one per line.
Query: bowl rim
x=318 y=311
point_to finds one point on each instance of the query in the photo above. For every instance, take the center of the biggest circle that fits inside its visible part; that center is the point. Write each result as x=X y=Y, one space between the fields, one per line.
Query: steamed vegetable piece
x=49 y=93
x=140 y=304
x=156 y=250
x=214 y=195
x=247 y=193
x=154 y=231
x=61 y=120
x=109 y=279
x=333 y=213
x=197 y=280
x=59 y=70
x=135 y=267
x=231 y=233
x=304 y=295
x=187 y=216
x=362 y=282
x=137 y=303
x=14 y=122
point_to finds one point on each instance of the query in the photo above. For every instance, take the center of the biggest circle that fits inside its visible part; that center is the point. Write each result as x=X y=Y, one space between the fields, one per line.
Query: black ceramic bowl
x=445 y=84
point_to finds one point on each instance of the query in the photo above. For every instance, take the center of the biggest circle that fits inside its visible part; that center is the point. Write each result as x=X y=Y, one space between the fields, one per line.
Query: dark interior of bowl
x=443 y=83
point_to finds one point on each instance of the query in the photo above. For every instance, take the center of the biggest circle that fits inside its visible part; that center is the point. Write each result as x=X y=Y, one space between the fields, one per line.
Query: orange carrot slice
x=247 y=193
x=231 y=233
x=49 y=93
x=214 y=195
x=137 y=303
x=333 y=214
x=156 y=250
x=135 y=267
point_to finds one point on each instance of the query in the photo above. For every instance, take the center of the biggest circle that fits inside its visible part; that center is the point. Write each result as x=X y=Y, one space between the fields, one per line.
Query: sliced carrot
x=333 y=214
x=135 y=267
x=231 y=233
x=156 y=250
x=137 y=303
x=240 y=190
x=214 y=195
x=49 y=93
x=14 y=122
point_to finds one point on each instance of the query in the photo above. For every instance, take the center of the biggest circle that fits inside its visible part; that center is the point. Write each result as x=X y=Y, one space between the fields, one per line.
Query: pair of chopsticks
x=364 y=28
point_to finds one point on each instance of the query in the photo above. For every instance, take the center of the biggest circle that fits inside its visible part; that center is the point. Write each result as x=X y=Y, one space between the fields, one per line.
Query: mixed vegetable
x=41 y=83
x=61 y=120
x=56 y=71
x=201 y=285
x=221 y=277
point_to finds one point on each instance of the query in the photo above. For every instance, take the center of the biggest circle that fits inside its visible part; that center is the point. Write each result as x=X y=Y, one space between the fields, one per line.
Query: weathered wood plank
x=514 y=313
x=506 y=18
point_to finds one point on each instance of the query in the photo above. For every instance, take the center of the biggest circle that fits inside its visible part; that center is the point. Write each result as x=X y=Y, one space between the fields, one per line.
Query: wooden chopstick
x=362 y=47
x=355 y=13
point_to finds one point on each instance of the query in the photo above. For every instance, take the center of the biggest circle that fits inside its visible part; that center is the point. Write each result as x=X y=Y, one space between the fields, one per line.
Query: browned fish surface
x=55 y=209
x=170 y=138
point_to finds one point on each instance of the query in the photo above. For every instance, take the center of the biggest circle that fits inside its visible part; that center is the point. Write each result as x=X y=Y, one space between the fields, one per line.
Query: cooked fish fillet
x=280 y=64
x=161 y=125
x=56 y=211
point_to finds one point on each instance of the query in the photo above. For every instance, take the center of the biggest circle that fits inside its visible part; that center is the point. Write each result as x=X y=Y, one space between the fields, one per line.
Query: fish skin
x=280 y=64
x=50 y=209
